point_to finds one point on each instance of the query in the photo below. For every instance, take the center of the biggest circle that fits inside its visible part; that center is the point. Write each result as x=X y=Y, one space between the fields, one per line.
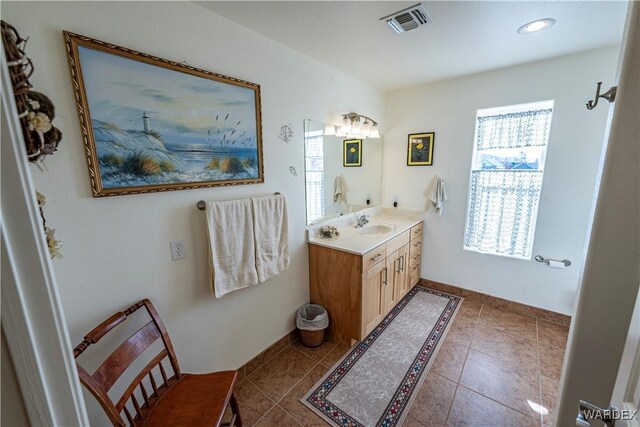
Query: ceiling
x=465 y=37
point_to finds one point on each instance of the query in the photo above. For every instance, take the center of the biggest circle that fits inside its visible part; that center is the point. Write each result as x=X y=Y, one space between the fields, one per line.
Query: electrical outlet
x=177 y=250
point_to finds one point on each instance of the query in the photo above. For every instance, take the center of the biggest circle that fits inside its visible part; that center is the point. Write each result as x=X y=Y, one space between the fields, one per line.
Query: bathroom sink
x=375 y=229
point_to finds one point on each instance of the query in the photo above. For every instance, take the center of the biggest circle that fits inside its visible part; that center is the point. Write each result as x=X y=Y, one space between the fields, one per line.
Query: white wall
x=449 y=108
x=116 y=250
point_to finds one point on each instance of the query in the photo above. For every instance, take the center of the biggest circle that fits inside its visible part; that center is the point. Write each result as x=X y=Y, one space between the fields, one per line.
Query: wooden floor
x=495 y=368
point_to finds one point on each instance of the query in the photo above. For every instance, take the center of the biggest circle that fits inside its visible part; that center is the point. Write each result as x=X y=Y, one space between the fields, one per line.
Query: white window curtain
x=514 y=130
x=502 y=211
x=503 y=203
x=315 y=178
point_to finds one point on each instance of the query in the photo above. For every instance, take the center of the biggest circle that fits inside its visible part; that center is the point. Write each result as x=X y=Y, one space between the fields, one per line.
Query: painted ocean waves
x=139 y=157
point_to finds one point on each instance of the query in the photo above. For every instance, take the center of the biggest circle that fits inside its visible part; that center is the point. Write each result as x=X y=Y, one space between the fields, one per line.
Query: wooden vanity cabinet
x=415 y=255
x=358 y=291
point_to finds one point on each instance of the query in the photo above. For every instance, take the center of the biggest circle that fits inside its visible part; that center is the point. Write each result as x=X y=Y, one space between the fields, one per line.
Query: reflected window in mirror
x=314 y=174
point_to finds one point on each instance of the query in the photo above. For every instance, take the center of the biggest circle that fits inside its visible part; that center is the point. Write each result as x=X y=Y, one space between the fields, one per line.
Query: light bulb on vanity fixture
x=345 y=128
x=329 y=130
x=366 y=129
x=374 y=131
x=354 y=125
x=356 y=129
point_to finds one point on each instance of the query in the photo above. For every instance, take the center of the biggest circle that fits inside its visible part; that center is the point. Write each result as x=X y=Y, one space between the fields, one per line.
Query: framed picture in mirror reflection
x=352 y=153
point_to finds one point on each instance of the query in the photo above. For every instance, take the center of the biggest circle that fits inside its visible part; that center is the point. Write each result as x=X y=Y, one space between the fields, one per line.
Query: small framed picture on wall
x=420 y=151
x=352 y=153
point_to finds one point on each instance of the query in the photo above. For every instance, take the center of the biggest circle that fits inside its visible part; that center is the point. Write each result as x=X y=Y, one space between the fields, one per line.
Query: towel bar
x=540 y=258
x=202 y=205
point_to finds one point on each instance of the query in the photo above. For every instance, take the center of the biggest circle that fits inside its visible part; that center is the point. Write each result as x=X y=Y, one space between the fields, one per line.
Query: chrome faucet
x=362 y=220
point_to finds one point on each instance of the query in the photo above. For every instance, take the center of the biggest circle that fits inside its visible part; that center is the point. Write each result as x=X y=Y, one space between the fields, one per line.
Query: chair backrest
x=117 y=363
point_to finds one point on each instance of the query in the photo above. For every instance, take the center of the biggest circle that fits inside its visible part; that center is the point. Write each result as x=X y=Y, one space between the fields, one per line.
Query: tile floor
x=495 y=368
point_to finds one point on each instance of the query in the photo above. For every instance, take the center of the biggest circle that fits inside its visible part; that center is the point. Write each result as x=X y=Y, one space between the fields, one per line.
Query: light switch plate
x=177 y=250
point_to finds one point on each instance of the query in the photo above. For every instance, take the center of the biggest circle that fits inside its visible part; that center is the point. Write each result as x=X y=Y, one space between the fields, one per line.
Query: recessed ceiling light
x=537 y=25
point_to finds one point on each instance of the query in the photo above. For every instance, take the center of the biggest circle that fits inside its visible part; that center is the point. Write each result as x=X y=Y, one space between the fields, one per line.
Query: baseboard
x=266 y=354
x=503 y=304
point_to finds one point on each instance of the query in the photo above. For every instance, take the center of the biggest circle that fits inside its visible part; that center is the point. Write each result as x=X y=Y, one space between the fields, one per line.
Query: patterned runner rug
x=375 y=383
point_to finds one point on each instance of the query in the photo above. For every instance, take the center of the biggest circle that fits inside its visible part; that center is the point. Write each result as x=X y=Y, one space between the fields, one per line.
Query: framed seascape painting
x=352 y=152
x=150 y=124
x=420 y=151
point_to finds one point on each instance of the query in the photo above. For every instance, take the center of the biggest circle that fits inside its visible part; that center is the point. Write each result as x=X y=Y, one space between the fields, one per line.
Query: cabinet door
x=402 y=285
x=373 y=291
x=390 y=291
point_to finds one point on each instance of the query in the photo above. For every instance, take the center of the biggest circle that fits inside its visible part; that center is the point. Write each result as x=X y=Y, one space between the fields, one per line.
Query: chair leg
x=236 y=410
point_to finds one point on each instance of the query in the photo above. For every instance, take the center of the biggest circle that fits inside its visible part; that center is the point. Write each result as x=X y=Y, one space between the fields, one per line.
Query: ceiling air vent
x=408 y=19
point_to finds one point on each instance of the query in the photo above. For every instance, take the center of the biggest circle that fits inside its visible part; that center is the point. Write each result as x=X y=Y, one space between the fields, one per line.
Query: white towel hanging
x=270 y=225
x=438 y=195
x=339 y=190
x=232 y=254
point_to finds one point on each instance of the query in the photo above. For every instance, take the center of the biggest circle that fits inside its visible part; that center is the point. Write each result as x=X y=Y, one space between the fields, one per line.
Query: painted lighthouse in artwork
x=146 y=122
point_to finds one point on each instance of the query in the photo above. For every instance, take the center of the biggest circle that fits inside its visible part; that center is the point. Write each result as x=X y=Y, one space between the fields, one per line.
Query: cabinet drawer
x=398 y=242
x=413 y=259
x=416 y=231
x=416 y=247
x=414 y=273
x=373 y=257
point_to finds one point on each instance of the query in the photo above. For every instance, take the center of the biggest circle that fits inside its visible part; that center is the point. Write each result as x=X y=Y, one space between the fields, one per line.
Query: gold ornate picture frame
x=352 y=153
x=420 y=150
x=150 y=124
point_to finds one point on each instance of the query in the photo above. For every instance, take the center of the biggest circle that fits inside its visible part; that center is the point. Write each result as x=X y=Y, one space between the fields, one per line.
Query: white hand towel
x=232 y=254
x=338 y=190
x=272 y=236
x=438 y=195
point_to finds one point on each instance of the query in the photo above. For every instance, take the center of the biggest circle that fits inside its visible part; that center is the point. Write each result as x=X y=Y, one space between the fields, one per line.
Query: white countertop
x=351 y=240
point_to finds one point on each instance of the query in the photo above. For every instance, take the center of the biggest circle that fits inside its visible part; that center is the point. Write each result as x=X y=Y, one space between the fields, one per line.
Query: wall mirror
x=357 y=164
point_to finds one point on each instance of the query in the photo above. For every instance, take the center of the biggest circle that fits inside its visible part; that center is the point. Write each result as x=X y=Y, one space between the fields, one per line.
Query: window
x=506 y=178
x=314 y=169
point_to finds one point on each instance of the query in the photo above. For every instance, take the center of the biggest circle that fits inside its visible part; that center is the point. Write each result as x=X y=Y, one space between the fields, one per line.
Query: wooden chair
x=177 y=400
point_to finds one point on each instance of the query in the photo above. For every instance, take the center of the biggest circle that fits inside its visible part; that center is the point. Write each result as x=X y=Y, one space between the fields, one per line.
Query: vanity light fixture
x=537 y=25
x=354 y=125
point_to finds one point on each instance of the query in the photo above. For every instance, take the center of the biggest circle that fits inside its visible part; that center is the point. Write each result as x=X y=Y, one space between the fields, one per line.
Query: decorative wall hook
x=286 y=132
x=609 y=95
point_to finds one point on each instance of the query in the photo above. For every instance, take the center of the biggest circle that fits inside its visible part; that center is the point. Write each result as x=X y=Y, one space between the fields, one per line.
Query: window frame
x=513 y=108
